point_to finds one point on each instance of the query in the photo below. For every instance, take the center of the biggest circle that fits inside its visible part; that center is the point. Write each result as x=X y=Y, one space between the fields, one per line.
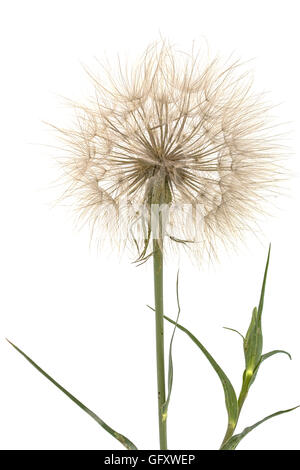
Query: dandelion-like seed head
x=175 y=130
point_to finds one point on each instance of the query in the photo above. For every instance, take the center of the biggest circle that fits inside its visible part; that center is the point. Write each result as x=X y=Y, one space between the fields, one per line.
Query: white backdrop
x=81 y=314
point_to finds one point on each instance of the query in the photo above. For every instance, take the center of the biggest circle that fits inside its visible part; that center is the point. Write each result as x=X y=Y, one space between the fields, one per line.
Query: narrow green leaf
x=262 y=294
x=170 y=370
x=271 y=353
x=235 y=331
x=264 y=357
x=233 y=442
x=230 y=396
x=122 y=439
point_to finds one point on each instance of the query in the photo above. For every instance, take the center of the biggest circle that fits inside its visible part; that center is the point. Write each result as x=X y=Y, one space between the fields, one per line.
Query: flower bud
x=253 y=343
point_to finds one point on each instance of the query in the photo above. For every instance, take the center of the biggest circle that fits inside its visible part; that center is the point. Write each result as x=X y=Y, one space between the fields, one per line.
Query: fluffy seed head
x=176 y=130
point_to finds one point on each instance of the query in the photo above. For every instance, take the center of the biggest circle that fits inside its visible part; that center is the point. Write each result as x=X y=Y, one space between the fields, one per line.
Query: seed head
x=174 y=130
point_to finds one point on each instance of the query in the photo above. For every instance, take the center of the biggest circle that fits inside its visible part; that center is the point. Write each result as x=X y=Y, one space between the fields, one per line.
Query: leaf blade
x=122 y=439
x=235 y=331
x=275 y=351
x=229 y=393
x=262 y=294
x=233 y=442
x=170 y=369
x=263 y=358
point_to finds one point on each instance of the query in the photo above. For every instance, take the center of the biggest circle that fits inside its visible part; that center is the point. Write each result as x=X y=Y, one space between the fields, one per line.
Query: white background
x=81 y=314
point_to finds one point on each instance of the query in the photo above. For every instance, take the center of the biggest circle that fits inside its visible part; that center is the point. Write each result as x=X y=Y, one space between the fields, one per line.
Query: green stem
x=229 y=432
x=243 y=395
x=159 y=318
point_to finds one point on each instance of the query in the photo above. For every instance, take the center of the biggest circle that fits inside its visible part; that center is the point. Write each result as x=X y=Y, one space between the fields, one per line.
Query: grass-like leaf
x=122 y=439
x=271 y=353
x=229 y=393
x=170 y=370
x=235 y=331
x=233 y=442
x=263 y=358
x=263 y=288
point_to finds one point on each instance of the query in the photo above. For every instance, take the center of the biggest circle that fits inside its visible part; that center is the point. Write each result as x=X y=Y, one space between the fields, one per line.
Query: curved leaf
x=124 y=441
x=230 y=396
x=271 y=353
x=235 y=331
x=233 y=442
x=263 y=358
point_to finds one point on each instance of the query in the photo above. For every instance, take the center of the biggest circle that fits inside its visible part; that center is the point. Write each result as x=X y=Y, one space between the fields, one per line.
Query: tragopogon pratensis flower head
x=176 y=130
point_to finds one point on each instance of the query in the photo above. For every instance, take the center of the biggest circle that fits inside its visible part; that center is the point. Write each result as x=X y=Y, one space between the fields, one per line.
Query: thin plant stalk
x=159 y=325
